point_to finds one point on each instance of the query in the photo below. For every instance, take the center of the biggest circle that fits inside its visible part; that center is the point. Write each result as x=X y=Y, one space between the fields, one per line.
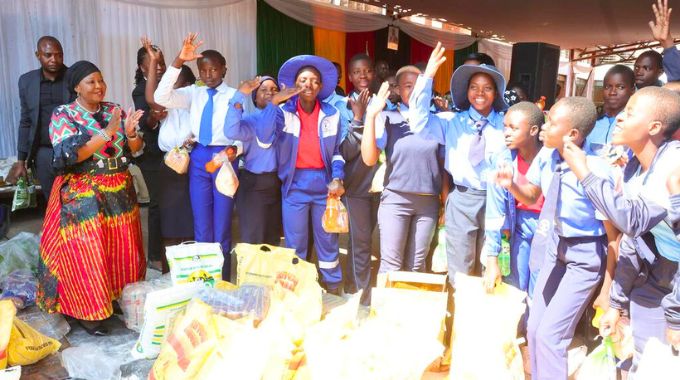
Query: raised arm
x=421 y=121
x=235 y=127
x=350 y=147
x=661 y=32
x=527 y=193
x=369 y=146
x=633 y=216
x=165 y=94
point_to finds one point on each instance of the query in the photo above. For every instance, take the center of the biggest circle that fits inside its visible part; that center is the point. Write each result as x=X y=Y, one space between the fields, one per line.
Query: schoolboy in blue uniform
x=307 y=133
x=207 y=107
x=619 y=86
x=470 y=138
x=523 y=122
x=650 y=246
x=570 y=232
x=258 y=200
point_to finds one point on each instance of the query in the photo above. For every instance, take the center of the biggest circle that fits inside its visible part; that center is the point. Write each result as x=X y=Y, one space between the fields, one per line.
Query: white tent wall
x=107 y=33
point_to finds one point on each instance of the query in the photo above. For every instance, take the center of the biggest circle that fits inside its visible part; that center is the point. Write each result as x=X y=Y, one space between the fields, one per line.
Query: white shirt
x=193 y=98
x=175 y=129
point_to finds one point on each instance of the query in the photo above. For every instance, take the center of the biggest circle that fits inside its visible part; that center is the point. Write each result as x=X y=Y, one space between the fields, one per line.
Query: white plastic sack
x=227 y=181
x=191 y=262
x=485 y=344
x=658 y=362
x=160 y=308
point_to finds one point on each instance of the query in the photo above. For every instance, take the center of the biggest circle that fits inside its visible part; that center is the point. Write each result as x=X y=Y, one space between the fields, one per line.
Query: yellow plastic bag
x=294 y=281
x=27 y=346
x=484 y=344
x=7 y=313
x=189 y=346
x=335 y=218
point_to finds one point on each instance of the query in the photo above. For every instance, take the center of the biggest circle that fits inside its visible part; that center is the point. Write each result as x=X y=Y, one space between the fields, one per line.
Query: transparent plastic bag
x=134 y=296
x=177 y=159
x=335 y=218
x=658 y=362
x=24 y=195
x=227 y=181
x=20 y=252
x=247 y=300
x=90 y=362
x=53 y=325
x=599 y=364
x=21 y=287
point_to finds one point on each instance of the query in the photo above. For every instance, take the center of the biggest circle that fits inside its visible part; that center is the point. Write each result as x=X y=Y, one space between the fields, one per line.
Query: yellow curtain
x=442 y=81
x=330 y=44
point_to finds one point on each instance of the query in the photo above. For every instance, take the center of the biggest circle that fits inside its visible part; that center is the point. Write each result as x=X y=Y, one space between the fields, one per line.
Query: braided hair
x=139 y=75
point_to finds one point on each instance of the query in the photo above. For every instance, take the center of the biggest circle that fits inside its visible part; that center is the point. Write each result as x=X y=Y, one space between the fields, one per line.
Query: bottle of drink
x=504 y=255
x=541 y=103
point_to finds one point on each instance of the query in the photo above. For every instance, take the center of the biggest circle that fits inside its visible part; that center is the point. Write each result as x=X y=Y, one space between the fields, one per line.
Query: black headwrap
x=77 y=72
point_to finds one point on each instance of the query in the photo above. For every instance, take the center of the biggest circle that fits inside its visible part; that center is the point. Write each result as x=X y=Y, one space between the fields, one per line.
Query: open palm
x=189 y=47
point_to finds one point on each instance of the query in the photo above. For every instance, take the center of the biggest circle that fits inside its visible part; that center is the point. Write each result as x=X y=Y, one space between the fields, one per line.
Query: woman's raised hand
x=379 y=100
x=250 y=85
x=285 y=94
x=132 y=121
x=153 y=53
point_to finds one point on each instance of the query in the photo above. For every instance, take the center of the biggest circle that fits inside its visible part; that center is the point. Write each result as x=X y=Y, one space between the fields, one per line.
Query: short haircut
x=582 y=113
x=654 y=56
x=360 y=57
x=665 y=105
x=513 y=85
x=531 y=111
x=46 y=39
x=407 y=69
x=482 y=58
x=309 y=68
x=623 y=70
x=214 y=55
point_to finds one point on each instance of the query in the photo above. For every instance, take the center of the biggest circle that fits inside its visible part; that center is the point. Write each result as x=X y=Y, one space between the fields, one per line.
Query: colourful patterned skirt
x=91 y=245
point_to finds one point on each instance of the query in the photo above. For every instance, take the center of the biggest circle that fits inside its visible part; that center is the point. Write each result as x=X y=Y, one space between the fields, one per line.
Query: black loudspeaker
x=535 y=66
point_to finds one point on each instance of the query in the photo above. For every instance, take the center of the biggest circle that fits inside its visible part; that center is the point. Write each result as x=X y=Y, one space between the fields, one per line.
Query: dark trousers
x=149 y=165
x=258 y=202
x=44 y=170
x=363 y=217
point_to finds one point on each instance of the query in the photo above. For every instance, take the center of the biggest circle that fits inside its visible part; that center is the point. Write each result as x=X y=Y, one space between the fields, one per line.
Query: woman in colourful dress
x=92 y=238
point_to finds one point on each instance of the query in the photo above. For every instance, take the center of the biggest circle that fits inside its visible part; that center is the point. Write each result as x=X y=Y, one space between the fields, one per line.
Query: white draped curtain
x=501 y=53
x=332 y=17
x=107 y=33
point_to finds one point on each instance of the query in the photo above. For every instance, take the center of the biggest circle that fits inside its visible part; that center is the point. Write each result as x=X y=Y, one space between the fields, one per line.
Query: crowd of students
x=588 y=204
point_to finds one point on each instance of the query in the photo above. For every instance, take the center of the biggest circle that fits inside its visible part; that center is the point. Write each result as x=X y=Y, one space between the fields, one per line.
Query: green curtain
x=279 y=37
x=460 y=54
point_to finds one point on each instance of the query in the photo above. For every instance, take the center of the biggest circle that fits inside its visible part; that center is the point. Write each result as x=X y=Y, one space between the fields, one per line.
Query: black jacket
x=29 y=94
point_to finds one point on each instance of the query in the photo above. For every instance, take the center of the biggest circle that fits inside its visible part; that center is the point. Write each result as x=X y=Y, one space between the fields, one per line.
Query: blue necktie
x=478 y=144
x=549 y=226
x=205 y=132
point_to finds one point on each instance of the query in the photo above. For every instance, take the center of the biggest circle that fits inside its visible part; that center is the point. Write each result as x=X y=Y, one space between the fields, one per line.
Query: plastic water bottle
x=504 y=255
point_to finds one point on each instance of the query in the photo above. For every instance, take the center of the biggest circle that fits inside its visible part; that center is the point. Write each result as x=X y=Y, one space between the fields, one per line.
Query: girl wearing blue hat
x=471 y=137
x=307 y=135
x=258 y=200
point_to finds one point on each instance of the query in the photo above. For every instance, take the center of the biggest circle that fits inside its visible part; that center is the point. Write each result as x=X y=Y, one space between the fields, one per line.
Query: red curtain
x=355 y=43
x=419 y=51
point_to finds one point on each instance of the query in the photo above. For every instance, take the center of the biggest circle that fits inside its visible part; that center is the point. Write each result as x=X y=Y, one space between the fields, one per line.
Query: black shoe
x=96 y=330
x=116 y=308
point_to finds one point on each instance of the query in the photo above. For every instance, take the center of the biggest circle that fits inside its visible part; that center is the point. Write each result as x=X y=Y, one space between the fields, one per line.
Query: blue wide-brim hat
x=329 y=75
x=460 y=81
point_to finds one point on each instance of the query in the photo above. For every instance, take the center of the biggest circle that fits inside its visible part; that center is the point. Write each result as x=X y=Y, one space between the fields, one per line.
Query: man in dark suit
x=40 y=91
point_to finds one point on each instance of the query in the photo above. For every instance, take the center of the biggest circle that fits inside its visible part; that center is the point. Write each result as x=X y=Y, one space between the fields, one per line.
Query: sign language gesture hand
x=359 y=105
x=379 y=101
x=189 y=47
x=153 y=53
x=132 y=121
x=661 y=26
x=250 y=85
x=285 y=94
x=436 y=60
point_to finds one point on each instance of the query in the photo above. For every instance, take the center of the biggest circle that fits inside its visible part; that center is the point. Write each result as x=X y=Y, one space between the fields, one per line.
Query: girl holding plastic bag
x=174 y=137
x=259 y=201
x=307 y=135
x=409 y=205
